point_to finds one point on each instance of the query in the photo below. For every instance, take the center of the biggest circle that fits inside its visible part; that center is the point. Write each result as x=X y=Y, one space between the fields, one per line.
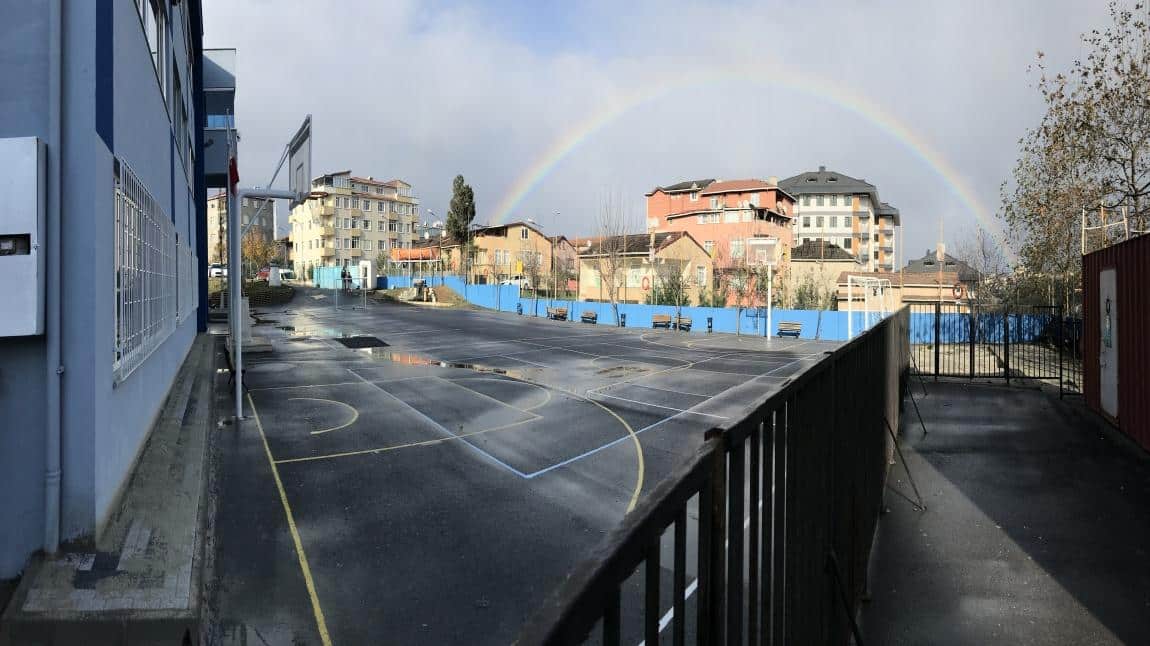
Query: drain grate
x=357 y=342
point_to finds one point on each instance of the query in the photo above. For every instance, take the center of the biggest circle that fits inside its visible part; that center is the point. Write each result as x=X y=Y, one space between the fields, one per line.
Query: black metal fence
x=763 y=535
x=1026 y=342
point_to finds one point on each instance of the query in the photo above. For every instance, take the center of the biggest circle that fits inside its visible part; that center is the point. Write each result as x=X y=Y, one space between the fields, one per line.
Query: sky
x=549 y=109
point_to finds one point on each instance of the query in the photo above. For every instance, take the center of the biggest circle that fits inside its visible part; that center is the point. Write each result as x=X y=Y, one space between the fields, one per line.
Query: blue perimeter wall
x=828 y=325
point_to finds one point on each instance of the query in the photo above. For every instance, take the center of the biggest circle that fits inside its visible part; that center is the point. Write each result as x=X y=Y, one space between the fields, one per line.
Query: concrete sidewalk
x=141 y=583
x=1036 y=529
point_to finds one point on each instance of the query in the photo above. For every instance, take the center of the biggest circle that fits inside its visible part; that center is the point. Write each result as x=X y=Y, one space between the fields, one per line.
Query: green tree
x=462 y=209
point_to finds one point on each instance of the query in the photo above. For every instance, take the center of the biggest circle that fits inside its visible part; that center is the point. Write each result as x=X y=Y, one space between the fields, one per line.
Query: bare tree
x=992 y=280
x=742 y=288
x=672 y=284
x=721 y=280
x=532 y=260
x=611 y=249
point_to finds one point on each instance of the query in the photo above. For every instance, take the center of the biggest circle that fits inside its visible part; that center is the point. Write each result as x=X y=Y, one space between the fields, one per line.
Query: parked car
x=263 y=273
x=287 y=274
x=519 y=281
x=217 y=271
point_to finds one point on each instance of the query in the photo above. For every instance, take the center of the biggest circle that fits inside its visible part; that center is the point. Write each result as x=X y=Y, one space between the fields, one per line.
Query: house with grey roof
x=848 y=213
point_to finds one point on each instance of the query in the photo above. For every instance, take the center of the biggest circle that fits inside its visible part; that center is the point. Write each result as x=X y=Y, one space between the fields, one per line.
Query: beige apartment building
x=514 y=250
x=264 y=225
x=348 y=219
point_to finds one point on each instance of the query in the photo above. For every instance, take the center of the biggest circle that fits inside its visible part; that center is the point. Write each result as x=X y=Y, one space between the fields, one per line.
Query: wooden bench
x=682 y=323
x=590 y=317
x=790 y=328
x=557 y=313
x=661 y=320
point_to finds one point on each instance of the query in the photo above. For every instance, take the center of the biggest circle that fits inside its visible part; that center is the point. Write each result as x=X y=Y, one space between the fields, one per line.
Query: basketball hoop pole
x=235 y=281
x=770 y=300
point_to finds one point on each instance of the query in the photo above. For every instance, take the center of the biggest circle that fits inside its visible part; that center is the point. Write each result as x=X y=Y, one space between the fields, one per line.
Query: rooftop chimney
x=822 y=169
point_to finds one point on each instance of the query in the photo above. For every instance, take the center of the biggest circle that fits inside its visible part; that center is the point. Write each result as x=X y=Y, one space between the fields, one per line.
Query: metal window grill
x=187 y=280
x=146 y=273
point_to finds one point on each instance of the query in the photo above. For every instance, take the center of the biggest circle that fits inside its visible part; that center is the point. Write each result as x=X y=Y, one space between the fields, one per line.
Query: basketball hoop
x=764 y=252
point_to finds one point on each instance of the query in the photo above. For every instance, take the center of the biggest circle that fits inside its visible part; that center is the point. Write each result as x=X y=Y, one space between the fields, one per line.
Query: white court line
x=676 y=392
x=344 y=383
x=486 y=396
x=532 y=338
x=681 y=410
x=442 y=428
x=504 y=356
x=625 y=358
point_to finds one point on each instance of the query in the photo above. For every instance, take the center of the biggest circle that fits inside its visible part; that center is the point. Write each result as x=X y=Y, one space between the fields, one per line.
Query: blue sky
x=425 y=90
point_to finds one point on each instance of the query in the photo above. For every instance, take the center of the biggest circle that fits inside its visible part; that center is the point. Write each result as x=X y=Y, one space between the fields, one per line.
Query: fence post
x=716 y=571
x=937 y=336
x=1006 y=344
x=972 y=333
x=1059 y=340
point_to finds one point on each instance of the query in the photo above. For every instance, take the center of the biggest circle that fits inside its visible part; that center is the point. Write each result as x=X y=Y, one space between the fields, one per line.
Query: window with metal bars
x=147 y=294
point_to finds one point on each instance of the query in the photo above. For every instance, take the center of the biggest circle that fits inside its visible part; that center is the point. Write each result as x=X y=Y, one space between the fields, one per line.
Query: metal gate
x=1022 y=342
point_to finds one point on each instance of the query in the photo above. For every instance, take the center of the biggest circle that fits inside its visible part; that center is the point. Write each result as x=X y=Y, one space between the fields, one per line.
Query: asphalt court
x=555 y=430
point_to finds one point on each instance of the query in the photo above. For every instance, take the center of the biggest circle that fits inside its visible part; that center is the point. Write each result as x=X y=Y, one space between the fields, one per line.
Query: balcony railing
x=328 y=231
x=782 y=502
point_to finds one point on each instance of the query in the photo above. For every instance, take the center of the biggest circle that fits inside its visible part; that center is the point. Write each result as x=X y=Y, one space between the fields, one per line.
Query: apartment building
x=846 y=212
x=111 y=194
x=257 y=215
x=516 y=249
x=723 y=214
x=348 y=219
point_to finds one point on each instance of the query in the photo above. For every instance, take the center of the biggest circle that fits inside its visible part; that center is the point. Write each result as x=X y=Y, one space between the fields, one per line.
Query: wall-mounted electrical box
x=23 y=175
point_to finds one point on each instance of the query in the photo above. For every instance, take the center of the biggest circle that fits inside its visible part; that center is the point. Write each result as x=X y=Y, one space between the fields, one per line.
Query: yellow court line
x=321 y=623
x=384 y=449
x=354 y=412
x=638 y=454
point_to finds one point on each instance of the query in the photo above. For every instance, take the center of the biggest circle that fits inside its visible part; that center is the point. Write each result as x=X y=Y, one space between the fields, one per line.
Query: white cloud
x=423 y=92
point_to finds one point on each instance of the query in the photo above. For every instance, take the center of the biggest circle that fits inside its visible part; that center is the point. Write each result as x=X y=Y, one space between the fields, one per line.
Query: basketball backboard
x=299 y=162
x=763 y=252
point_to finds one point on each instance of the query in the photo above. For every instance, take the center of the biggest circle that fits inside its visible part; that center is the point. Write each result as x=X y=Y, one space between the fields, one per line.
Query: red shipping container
x=1127 y=325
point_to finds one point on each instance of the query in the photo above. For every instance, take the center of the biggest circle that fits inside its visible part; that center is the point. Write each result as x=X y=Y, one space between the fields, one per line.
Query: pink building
x=723 y=214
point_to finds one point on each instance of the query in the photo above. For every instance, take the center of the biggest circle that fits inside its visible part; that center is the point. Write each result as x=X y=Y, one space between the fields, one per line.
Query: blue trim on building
x=200 y=194
x=105 y=70
x=173 y=150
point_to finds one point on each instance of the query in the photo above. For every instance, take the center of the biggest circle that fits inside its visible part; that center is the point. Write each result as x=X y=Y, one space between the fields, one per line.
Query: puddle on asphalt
x=409 y=359
x=620 y=371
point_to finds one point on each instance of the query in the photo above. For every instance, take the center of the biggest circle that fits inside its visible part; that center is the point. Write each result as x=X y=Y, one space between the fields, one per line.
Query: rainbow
x=771 y=75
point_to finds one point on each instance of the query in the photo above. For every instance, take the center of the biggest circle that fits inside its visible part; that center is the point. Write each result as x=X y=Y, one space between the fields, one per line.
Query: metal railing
x=1022 y=342
x=763 y=535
